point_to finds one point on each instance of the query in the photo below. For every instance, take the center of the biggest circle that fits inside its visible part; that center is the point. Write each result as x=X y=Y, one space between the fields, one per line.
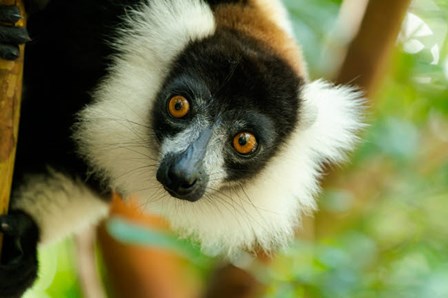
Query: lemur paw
x=18 y=263
x=10 y=35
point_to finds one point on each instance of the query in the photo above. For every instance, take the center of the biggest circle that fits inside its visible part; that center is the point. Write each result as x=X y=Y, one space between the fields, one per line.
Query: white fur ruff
x=115 y=136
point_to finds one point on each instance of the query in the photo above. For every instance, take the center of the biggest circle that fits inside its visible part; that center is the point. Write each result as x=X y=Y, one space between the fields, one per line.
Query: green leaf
x=132 y=233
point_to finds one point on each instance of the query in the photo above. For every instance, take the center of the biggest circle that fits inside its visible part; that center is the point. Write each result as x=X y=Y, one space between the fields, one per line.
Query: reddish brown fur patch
x=253 y=20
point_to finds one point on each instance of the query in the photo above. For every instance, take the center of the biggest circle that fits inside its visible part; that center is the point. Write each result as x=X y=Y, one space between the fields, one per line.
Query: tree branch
x=369 y=52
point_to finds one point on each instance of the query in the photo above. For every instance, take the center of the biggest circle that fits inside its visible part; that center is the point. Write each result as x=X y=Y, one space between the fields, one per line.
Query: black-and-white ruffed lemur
x=201 y=109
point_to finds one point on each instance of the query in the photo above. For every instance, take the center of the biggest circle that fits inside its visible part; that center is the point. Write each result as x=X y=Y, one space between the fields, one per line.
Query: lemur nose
x=182 y=174
x=181 y=180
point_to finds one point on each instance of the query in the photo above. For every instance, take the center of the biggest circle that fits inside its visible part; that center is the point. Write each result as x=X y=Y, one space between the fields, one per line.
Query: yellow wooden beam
x=11 y=73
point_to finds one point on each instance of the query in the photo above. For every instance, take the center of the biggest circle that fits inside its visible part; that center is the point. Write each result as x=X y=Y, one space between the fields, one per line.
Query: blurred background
x=382 y=225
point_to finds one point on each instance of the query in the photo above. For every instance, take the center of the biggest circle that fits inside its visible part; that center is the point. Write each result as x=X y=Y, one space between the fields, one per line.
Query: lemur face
x=226 y=107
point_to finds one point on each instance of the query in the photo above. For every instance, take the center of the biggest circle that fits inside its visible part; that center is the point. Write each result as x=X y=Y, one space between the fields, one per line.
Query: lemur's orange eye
x=178 y=106
x=245 y=143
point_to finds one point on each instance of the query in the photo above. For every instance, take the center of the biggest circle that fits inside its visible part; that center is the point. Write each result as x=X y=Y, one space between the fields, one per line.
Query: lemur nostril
x=187 y=185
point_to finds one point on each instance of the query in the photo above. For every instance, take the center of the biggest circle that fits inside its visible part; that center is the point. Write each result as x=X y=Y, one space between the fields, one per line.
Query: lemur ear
x=331 y=116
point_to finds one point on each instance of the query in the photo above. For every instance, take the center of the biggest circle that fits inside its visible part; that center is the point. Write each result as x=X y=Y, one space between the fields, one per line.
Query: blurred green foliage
x=382 y=227
x=57 y=275
x=131 y=233
x=391 y=203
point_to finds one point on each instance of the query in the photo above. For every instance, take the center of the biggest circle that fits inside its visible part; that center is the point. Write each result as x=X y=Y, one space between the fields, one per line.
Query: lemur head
x=208 y=117
x=225 y=108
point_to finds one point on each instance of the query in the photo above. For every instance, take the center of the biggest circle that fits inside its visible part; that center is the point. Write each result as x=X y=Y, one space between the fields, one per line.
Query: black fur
x=64 y=62
x=18 y=263
x=242 y=80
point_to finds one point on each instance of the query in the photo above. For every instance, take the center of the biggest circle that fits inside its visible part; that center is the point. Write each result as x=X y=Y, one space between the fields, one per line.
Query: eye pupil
x=178 y=105
x=242 y=140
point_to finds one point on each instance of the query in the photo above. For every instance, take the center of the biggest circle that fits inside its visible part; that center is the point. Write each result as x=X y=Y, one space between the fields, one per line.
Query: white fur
x=57 y=203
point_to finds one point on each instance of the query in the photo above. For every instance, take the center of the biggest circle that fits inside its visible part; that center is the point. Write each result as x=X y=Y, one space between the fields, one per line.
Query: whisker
x=137 y=169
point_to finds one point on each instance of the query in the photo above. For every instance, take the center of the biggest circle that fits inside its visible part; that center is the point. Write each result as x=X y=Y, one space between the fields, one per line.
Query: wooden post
x=367 y=60
x=10 y=94
x=369 y=52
